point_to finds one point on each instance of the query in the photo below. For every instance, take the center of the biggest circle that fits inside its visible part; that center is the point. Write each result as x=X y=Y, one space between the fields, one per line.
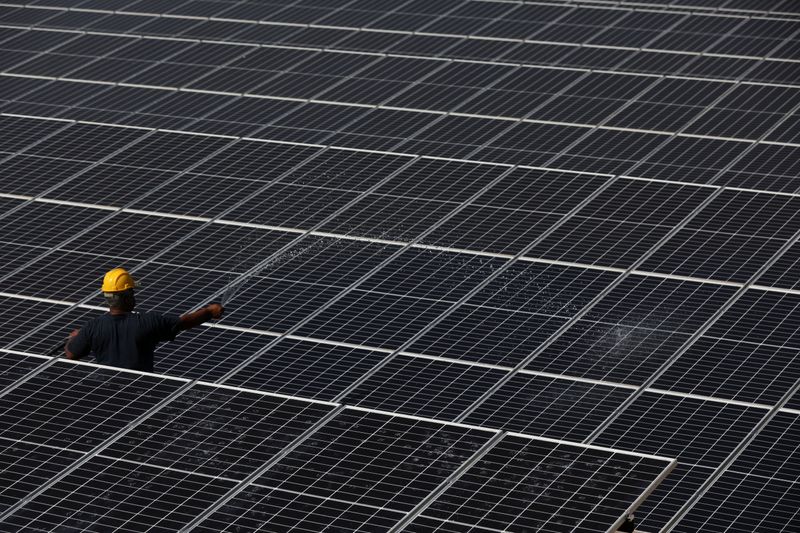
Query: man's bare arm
x=204 y=314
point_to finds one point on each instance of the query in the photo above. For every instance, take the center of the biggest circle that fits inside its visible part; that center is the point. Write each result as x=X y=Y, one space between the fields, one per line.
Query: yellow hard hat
x=118 y=280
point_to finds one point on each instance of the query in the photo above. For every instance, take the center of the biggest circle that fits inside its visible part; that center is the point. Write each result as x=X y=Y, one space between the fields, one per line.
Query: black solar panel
x=488 y=266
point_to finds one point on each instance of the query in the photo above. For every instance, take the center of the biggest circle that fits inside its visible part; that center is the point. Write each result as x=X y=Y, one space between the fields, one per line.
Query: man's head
x=123 y=301
x=117 y=288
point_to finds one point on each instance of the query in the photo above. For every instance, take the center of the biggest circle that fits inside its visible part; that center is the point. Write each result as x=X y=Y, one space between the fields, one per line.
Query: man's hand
x=216 y=310
x=69 y=354
x=204 y=314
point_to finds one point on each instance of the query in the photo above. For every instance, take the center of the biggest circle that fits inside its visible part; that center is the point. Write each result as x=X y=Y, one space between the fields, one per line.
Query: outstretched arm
x=204 y=314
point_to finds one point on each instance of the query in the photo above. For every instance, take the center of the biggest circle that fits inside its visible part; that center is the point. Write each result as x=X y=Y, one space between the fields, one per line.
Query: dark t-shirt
x=125 y=341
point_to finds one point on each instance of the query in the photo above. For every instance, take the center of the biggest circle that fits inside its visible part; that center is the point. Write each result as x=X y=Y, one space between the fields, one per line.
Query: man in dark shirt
x=125 y=338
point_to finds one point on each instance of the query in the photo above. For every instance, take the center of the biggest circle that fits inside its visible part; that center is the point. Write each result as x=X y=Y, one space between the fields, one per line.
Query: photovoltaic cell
x=415 y=386
x=783 y=272
x=36 y=223
x=204 y=196
x=33 y=175
x=177 y=290
x=534 y=144
x=54 y=65
x=134 y=235
x=104 y=493
x=548 y=407
x=774 y=450
x=217 y=432
x=760 y=317
x=622 y=223
x=169 y=151
x=543 y=288
x=768 y=167
x=423 y=524
x=291 y=206
x=110 y=185
x=259 y=507
x=375 y=459
x=276 y=305
x=632 y=330
x=491 y=229
x=453 y=136
x=374 y=319
x=668 y=498
x=737 y=370
x=400 y=212
x=247 y=246
x=430 y=274
x=712 y=255
x=708 y=430
x=519 y=485
x=44 y=278
x=16 y=255
x=747 y=213
x=514 y=314
x=49 y=340
x=500 y=228
x=9 y=204
x=254 y=160
x=327 y=261
x=207 y=353
x=487 y=335
x=24 y=467
x=690 y=159
x=79 y=405
x=16 y=366
x=18 y=317
x=739 y=502
x=86 y=142
x=305 y=368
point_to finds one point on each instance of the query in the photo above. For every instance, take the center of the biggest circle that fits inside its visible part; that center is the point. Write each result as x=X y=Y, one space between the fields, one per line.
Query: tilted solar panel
x=451 y=220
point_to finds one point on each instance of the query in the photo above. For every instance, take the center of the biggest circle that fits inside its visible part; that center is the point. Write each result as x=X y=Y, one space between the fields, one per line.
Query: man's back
x=125 y=340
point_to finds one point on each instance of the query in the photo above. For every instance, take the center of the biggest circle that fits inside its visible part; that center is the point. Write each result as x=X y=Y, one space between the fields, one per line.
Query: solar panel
x=488 y=266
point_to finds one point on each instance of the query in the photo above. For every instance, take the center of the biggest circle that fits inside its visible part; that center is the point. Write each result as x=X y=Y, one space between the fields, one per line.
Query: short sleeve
x=81 y=344
x=165 y=327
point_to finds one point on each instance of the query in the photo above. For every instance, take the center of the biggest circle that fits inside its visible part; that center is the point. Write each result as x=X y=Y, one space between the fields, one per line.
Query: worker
x=125 y=338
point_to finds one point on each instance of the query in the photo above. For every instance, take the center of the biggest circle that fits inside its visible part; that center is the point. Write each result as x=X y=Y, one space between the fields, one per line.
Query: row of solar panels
x=165 y=451
x=530 y=320
x=680 y=104
x=665 y=312
x=616 y=220
x=593 y=26
x=761 y=38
